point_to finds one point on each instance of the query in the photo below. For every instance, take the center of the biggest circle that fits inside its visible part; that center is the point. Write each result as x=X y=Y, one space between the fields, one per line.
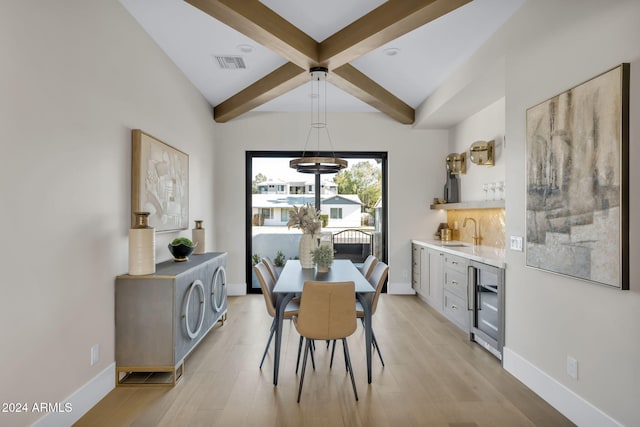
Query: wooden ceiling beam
x=354 y=82
x=387 y=22
x=264 y=26
x=380 y=26
x=278 y=82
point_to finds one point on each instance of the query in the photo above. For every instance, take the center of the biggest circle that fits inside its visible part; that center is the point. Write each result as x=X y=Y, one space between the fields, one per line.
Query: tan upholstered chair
x=327 y=312
x=367 y=266
x=271 y=267
x=379 y=274
x=267 y=283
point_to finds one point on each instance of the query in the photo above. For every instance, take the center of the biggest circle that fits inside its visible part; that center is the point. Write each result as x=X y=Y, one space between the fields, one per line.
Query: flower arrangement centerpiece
x=307 y=219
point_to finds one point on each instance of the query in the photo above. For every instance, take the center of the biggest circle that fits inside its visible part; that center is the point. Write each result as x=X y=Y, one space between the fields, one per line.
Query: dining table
x=291 y=283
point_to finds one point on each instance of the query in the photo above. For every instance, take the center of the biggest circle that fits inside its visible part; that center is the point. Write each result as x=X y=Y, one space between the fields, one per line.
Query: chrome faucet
x=476 y=232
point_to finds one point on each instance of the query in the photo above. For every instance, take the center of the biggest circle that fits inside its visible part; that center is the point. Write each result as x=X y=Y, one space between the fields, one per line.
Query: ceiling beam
x=354 y=82
x=264 y=26
x=380 y=26
x=278 y=82
x=387 y=22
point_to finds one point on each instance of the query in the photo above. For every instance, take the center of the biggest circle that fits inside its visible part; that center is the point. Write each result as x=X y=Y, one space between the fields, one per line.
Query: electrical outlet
x=95 y=354
x=515 y=243
x=572 y=367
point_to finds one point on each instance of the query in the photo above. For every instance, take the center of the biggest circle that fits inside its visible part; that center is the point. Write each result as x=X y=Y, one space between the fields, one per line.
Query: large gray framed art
x=159 y=182
x=577 y=153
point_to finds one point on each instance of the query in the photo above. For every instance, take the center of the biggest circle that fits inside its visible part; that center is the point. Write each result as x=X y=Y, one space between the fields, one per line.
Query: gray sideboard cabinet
x=161 y=317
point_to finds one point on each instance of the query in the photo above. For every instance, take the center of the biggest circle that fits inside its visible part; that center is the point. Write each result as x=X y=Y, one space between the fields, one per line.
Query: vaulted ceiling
x=382 y=56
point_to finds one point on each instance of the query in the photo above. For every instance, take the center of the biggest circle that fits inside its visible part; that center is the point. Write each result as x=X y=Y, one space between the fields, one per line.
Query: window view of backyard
x=351 y=209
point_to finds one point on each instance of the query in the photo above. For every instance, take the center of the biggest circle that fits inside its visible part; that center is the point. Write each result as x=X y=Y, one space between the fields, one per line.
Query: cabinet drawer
x=456 y=263
x=455 y=308
x=456 y=283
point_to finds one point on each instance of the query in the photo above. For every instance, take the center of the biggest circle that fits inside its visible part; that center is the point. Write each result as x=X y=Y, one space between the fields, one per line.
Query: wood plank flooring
x=433 y=377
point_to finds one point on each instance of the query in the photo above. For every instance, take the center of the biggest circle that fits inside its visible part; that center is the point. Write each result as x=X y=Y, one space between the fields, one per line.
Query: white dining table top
x=293 y=276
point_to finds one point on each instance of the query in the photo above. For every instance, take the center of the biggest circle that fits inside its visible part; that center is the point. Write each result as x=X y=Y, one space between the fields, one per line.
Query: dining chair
x=271 y=267
x=267 y=284
x=379 y=274
x=367 y=267
x=326 y=312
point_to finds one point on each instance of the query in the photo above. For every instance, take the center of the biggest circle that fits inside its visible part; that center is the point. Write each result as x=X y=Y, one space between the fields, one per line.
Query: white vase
x=308 y=242
x=142 y=246
x=197 y=236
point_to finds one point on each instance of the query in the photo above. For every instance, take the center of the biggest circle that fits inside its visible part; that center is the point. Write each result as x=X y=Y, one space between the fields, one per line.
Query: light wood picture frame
x=577 y=154
x=159 y=182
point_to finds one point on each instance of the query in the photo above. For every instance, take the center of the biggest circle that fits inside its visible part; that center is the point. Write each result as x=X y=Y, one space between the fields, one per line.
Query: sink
x=454 y=245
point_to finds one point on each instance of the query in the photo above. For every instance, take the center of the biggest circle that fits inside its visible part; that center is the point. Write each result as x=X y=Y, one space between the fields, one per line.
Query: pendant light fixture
x=317 y=164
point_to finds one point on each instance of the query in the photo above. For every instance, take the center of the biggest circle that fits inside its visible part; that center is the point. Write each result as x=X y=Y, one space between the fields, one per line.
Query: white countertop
x=486 y=254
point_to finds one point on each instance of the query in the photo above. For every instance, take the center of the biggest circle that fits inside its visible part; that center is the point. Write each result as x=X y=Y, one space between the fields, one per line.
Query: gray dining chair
x=367 y=267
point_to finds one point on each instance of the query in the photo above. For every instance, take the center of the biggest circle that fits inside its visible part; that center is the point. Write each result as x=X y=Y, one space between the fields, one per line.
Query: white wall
x=546 y=48
x=486 y=125
x=76 y=77
x=416 y=175
x=552 y=47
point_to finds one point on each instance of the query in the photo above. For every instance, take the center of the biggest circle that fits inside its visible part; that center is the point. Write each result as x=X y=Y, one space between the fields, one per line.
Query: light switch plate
x=95 y=354
x=572 y=367
x=515 y=243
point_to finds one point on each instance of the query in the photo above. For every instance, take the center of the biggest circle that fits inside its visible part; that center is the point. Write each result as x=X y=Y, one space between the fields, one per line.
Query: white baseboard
x=83 y=399
x=567 y=402
x=400 y=289
x=236 y=289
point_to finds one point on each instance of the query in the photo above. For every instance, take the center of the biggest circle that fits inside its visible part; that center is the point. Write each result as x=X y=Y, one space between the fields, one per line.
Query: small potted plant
x=255 y=259
x=323 y=258
x=181 y=248
x=279 y=260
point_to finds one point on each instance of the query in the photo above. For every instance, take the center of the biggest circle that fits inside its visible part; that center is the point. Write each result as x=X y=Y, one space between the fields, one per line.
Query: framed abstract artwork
x=159 y=182
x=577 y=163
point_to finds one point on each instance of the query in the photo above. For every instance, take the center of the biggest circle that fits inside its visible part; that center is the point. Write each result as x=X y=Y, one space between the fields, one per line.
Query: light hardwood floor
x=433 y=377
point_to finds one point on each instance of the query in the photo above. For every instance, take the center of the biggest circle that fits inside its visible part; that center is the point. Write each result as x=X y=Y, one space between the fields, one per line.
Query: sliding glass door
x=351 y=202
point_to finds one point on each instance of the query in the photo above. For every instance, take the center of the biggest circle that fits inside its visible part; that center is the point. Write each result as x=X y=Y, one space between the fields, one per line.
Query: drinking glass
x=492 y=189
x=485 y=188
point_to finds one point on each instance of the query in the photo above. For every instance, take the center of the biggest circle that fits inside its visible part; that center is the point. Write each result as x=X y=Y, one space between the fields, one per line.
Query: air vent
x=231 y=62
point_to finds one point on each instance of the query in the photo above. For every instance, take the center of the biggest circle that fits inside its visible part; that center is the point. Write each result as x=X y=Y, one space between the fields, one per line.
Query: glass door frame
x=250 y=155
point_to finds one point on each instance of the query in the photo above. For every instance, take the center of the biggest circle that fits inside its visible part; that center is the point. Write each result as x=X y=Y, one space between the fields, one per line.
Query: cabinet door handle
x=471 y=285
x=453 y=282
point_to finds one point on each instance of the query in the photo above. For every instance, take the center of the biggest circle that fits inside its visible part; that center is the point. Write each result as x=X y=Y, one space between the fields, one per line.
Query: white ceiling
x=427 y=55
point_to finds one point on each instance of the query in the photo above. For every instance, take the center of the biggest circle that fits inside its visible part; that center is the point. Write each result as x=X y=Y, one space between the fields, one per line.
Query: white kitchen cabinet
x=456 y=305
x=415 y=267
x=427 y=275
x=436 y=278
